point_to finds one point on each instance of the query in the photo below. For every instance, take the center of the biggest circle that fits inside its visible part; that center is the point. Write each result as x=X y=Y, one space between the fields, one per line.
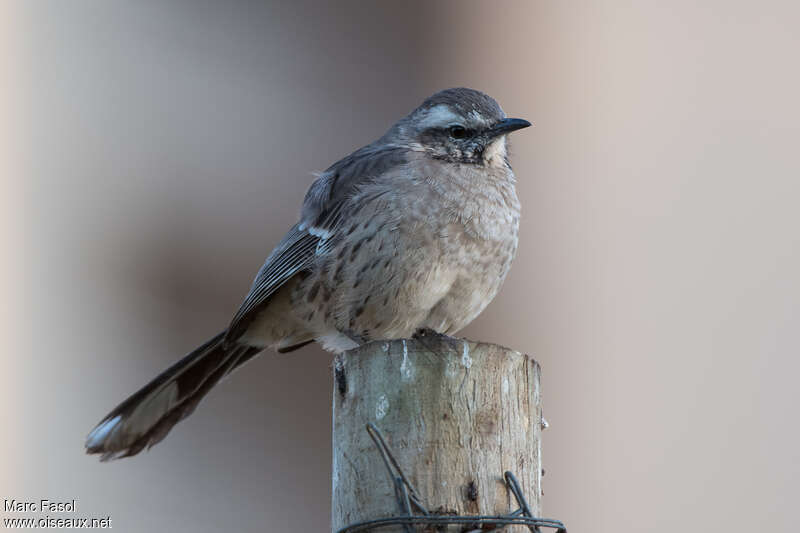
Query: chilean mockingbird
x=415 y=231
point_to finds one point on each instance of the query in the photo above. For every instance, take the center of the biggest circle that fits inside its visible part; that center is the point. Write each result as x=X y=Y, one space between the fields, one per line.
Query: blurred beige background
x=153 y=152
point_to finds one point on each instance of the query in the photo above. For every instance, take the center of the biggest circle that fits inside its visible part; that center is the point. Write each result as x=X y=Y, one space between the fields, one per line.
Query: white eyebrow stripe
x=439 y=116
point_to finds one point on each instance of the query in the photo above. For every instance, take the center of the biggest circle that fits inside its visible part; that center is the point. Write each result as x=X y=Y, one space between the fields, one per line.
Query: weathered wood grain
x=457 y=414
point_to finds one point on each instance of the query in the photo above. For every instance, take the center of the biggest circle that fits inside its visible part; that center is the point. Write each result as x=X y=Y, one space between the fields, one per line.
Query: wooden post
x=456 y=414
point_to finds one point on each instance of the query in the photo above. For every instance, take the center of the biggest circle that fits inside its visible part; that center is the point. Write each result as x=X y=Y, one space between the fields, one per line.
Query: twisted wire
x=407 y=497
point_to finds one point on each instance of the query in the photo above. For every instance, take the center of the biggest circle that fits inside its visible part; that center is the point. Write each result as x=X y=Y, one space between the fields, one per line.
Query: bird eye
x=457 y=132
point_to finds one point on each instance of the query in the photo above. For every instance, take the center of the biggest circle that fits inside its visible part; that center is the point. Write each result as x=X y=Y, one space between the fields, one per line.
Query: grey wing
x=327 y=203
x=295 y=253
x=329 y=197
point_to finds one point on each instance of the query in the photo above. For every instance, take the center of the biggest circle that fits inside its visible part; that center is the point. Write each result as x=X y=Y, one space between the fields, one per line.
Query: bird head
x=458 y=125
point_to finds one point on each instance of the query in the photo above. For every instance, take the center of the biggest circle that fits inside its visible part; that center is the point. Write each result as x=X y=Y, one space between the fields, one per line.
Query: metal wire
x=407 y=497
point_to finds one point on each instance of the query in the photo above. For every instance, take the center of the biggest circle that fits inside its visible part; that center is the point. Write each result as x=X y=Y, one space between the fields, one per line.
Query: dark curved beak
x=507 y=126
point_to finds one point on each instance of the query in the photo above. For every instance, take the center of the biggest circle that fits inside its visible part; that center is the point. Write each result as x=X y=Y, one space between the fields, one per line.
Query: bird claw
x=428 y=337
x=426 y=332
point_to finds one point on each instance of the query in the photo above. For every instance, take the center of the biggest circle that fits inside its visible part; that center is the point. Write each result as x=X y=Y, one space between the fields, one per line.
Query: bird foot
x=427 y=332
x=353 y=336
x=429 y=337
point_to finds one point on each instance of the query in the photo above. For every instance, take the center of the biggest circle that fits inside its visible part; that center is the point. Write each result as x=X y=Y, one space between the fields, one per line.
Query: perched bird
x=415 y=231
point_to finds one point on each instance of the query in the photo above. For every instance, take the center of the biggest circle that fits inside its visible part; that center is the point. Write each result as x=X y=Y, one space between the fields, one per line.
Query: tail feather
x=148 y=415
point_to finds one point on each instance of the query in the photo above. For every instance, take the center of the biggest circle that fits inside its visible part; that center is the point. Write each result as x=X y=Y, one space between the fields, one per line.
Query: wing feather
x=328 y=202
x=293 y=254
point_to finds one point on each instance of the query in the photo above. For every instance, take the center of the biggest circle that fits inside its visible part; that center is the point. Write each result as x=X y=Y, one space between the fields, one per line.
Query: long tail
x=148 y=415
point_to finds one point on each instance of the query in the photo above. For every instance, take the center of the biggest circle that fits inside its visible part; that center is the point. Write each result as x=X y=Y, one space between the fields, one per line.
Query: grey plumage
x=416 y=230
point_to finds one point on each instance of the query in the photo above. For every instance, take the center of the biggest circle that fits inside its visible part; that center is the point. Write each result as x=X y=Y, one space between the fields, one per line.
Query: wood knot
x=472 y=491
